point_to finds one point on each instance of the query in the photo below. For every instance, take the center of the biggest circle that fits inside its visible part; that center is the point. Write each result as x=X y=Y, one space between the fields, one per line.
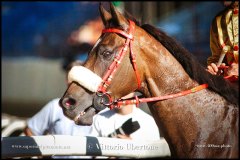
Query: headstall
x=103 y=98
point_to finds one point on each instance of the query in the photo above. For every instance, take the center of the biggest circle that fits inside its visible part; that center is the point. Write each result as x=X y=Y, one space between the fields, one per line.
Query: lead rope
x=137 y=100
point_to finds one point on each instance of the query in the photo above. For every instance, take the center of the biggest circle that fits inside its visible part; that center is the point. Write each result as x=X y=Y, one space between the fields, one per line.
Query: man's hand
x=232 y=70
x=28 y=131
x=214 y=69
x=223 y=69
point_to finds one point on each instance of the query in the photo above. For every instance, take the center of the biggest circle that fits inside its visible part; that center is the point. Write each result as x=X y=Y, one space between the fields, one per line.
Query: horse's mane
x=194 y=69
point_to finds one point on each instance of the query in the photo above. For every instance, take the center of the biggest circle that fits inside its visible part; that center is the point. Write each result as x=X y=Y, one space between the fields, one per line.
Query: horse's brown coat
x=200 y=125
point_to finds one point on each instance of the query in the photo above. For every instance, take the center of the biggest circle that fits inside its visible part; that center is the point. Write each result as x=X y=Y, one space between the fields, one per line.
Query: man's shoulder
x=104 y=117
x=106 y=114
x=52 y=108
x=140 y=111
x=143 y=115
x=55 y=101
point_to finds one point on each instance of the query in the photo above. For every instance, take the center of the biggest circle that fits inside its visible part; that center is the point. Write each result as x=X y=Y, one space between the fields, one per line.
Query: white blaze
x=85 y=78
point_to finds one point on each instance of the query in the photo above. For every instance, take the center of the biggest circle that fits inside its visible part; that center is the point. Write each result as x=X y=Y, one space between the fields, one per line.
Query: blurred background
x=40 y=38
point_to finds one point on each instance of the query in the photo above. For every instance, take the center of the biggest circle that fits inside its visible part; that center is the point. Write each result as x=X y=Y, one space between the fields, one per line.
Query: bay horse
x=196 y=112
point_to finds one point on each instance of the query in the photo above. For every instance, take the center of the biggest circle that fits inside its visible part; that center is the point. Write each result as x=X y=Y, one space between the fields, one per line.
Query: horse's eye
x=106 y=54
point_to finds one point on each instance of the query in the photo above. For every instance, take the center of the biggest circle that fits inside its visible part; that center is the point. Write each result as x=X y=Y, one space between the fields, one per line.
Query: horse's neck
x=163 y=73
x=179 y=119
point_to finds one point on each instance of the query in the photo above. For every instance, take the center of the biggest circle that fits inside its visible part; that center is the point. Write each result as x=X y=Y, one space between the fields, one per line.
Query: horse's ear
x=118 y=17
x=105 y=15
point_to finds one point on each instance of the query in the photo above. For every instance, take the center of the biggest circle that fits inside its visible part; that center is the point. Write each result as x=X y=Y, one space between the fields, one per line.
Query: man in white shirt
x=109 y=121
x=51 y=120
x=112 y=123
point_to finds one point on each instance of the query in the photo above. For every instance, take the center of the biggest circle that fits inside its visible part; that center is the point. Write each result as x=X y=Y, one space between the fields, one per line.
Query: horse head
x=107 y=75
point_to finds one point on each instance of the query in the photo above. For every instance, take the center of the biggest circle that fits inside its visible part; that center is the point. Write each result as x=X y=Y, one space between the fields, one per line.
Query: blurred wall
x=29 y=83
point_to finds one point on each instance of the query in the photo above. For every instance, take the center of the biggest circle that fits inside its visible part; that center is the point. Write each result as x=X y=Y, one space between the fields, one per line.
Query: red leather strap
x=114 y=30
x=232 y=78
x=117 y=60
x=152 y=99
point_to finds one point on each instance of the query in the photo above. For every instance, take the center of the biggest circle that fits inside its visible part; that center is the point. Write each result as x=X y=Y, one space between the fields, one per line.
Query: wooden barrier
x=24 y=146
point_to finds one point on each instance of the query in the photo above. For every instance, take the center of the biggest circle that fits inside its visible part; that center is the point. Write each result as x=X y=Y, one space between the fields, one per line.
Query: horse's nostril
x=69 y=102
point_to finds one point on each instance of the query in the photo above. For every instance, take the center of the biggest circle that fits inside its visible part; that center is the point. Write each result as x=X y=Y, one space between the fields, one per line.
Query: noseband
x=102 y=99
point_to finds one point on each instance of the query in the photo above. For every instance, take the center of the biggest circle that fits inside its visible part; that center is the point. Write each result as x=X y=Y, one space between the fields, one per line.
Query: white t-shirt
x=107 y=122
x=52 y=119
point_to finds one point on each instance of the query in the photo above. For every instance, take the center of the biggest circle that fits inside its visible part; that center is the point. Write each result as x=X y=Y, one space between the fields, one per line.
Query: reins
x=108 y=76
x=231 y=78
x=152 y=99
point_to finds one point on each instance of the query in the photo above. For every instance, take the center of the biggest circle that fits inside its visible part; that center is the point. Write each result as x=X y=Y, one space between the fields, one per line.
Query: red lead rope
x=231 y=78
x=152 y=99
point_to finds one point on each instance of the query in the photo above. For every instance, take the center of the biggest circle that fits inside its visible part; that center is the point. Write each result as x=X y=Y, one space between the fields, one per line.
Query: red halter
x=115 y=64
x=117 y=60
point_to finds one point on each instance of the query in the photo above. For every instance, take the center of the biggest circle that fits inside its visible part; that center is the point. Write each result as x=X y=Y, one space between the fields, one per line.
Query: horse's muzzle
x=68 y=103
